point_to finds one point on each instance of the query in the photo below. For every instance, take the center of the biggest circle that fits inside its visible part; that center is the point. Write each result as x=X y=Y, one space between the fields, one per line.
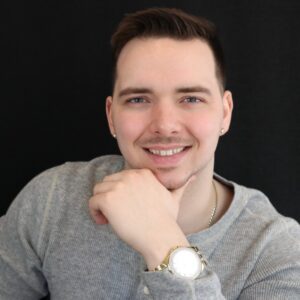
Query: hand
x=141 y=211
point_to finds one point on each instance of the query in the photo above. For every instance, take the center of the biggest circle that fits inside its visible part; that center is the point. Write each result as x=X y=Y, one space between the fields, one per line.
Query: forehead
x=165 y=62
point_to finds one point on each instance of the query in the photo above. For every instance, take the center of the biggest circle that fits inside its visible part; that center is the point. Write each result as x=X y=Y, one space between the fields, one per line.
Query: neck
x=197 y=203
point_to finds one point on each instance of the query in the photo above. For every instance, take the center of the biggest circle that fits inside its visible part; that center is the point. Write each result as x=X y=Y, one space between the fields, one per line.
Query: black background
x=55 y=69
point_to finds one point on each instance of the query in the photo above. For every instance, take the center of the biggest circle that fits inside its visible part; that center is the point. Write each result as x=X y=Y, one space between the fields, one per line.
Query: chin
x=173 y=187
x=171 y=183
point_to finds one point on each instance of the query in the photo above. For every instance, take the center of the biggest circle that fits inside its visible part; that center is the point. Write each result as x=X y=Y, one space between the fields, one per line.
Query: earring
x=222 y=131
x=114 y=135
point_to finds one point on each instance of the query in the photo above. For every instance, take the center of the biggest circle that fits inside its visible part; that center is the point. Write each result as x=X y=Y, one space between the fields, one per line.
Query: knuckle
x=119 y=185
x=93 y=205
x=106 y=178
x=144 y=172
x=131 y=175
x=96 y=189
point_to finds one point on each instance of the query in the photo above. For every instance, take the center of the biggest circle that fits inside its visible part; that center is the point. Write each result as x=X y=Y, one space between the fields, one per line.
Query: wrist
x=158 y=248
x=184 y=262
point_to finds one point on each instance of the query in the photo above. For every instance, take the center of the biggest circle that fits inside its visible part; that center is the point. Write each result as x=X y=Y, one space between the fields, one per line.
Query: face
x=167 y=109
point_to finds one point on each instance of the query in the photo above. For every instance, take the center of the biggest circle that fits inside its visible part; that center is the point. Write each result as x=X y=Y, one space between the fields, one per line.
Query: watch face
x=185 y=262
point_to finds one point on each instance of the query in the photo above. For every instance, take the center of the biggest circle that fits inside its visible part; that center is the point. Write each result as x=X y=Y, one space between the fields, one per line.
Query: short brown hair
x=168 y=22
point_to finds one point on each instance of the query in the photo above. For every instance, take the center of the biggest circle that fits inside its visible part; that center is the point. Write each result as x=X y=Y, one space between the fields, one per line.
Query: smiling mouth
x=166 y=152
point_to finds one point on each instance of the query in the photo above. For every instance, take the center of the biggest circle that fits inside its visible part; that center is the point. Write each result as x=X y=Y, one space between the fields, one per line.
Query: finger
x=117 y=176
x=178 y=193
x=96 y=212
x=111 y=178
x=124 y=173
x=103 y=187
x=98 y=217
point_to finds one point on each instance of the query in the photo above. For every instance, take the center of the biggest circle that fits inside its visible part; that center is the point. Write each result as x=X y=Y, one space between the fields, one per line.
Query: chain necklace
x=213 y=212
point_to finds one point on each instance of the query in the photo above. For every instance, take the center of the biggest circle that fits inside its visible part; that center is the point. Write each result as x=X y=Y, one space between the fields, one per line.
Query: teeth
x=168 y=152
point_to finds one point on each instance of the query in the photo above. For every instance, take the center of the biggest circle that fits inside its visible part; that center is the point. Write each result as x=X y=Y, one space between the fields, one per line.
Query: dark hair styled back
x=168 y=22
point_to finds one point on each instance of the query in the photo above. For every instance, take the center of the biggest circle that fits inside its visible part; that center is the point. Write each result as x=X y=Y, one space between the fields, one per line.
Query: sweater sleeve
x=164 y=285
x=21 y=241
x=276 y=274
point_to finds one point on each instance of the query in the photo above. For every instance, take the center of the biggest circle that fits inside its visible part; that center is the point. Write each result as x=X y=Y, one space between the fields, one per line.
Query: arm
x=21 y=244
x=143 y=213
x=163 y=285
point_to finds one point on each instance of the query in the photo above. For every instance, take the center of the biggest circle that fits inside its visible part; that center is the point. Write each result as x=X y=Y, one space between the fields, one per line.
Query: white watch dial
x=185 y=262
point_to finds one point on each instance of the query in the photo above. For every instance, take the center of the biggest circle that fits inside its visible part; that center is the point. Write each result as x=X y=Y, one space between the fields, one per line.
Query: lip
x=165 y=147
x=170 y=160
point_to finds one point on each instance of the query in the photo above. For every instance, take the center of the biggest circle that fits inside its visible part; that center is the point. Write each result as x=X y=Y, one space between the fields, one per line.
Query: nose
x=165 y=120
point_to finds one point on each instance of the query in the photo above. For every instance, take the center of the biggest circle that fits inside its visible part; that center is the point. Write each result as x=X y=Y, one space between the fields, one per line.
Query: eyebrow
x=180 y=90
x=193 y=89
x=132 y=90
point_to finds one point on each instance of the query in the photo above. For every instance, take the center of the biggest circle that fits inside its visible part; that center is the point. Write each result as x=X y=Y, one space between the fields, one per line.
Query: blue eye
x=136 y=100
x=192 y=100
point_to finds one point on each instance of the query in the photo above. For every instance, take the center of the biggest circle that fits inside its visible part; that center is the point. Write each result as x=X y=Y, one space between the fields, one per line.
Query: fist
x=138 y=207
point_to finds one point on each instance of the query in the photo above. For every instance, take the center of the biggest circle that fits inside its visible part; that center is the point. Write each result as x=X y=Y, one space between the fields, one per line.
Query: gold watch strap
x=165 y=262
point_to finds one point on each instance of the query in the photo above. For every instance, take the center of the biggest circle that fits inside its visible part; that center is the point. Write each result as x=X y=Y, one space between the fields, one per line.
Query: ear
x=108 y=107
x=227 y=110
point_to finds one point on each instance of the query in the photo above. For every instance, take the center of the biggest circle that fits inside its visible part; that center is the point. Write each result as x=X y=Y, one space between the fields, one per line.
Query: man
x=156 y=223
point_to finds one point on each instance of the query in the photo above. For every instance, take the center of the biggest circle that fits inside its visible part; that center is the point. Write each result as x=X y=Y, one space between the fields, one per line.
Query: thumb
x=99 y=217
x=178 y=193
x=96 y=213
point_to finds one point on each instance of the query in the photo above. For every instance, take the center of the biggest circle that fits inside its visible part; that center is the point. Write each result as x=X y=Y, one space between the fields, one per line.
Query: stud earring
x=222 y=131
x=114 y=135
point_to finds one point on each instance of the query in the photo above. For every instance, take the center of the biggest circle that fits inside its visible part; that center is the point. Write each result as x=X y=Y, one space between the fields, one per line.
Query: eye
x=136 y=100
x=192 y=99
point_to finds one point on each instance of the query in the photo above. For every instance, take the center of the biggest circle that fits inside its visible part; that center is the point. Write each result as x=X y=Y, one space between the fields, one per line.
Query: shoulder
x=67 y=182
x=252 y=216
x=56 y=196
x=93 y=170
x=275 y=239
x=259 y=219
x=258 y=234
x=57 y=185
x=259 y=209
x=252 y=203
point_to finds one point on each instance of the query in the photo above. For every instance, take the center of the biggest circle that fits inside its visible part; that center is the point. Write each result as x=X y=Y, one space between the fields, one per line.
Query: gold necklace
x=213 y=212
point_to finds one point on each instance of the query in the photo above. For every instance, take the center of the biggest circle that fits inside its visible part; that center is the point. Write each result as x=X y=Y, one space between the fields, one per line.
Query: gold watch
x=186 y=262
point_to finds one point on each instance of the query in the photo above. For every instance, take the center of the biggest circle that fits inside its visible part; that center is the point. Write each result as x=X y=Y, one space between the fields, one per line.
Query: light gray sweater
x=49 y=243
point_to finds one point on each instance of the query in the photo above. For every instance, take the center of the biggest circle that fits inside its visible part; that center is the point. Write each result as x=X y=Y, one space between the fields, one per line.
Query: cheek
x=204 y=127
x=127 y=126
